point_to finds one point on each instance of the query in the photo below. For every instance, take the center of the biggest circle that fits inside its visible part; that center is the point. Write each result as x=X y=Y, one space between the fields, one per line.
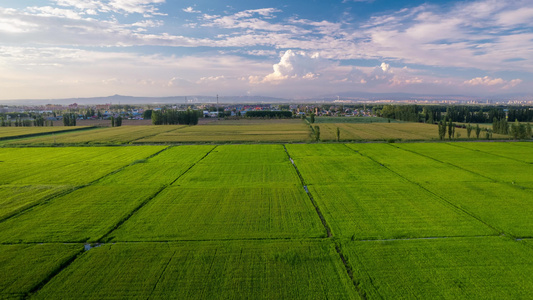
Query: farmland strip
x=486 y=152
x=320 y=215
x=442 y=162
x=54 y=273
x=152 y=197
x=429 y=191
x=347 y=266
x=467 y=170
x=162 y=272
x=73 y=189
x=44 y=133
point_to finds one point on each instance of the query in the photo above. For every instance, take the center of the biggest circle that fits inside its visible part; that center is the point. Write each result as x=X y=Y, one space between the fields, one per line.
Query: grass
x=14 y=132
x=389 y=211
x=16 y=198
x=387 y=131
x=200 y=270
x=236 y=131
x=84 y=215
x=25 y=266
x=223 y=213
x=65 y=166
x=452 y=268
x=109 y=135
x=507 y=208
x=492 y=166
x=418 y=220
x=413 y=166
x=355 y=120
x=318 y=165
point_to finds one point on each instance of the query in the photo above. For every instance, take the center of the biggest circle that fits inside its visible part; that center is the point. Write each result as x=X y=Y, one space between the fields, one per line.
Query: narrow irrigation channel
x=101 y=241
x=326 y=226
x=338 y=249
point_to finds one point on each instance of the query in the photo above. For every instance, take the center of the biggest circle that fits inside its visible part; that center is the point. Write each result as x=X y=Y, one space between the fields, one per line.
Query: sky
x=297 y=49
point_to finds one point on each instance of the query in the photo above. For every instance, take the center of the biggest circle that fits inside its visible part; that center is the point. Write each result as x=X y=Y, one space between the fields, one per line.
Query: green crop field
x=11 y=132
x=483 y=163
x=205 y=270
x=236 y=131
x=268 y=221
x=450 y=268
x=387 y=211
x=109 y=135
x=388 y=131
x=24 y=267
x=355 y=120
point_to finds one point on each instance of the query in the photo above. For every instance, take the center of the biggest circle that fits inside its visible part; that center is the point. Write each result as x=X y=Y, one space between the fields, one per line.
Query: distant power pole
x=217 y=100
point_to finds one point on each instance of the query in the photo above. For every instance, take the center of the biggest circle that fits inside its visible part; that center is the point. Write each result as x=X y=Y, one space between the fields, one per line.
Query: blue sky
x=291 y=49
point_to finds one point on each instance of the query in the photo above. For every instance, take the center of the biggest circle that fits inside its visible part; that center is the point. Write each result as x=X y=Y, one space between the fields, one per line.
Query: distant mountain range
x=356 y=96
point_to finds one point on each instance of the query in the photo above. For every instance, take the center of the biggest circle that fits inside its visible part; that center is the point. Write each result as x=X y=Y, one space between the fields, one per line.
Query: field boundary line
x=466 y=170
x=163 y=272
x=15 y=137
x=53 y=274
x=489 y=153
x=151 y=135
x=443 y=162
x=50 y=198
x=432 y=193
x=320 y=215
x=147 y=200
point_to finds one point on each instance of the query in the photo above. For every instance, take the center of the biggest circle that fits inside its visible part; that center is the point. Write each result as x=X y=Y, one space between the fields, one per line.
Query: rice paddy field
x=20 y=132
x=352 y=129
x=267 y=221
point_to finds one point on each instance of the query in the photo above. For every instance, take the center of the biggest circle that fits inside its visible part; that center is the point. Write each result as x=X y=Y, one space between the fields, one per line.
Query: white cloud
x=296 y=65
x=190 y=9
x=493 y=82
x=144 y=7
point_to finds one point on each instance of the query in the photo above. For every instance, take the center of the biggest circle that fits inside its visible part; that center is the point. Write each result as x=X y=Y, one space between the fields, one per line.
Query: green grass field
x=451 y=268
x=205 y=270
x=108 y=135
x=11 y=132
x=354 y=120
x=267 y=221
x=236 y=131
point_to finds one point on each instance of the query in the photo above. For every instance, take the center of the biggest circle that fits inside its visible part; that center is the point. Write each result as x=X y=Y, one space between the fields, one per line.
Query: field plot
x=12 y=132
x=492 y=166
x=205 y=270
x=388 y=211
x=237 y=191
x=161 y=169
x=65 y=166
x=503 y=206
x=15 y=198
x=223 y=213
x=414 y=167
x=509 y=150
x=83 y=215
x=237 y=131
x=451 y=268
x=337 y=164
x=23 y=267
x=109 y=135
x=387 y=131
x=355 y=120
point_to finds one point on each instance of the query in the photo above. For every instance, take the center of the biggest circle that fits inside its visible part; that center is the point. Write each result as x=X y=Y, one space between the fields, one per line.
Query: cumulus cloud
x=144 y=7
x=493 y=82
x=190 y=9
x=296 y=65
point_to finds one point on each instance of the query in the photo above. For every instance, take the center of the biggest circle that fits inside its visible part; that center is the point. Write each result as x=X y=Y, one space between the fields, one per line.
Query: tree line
x=462 y=114
x=174 y=117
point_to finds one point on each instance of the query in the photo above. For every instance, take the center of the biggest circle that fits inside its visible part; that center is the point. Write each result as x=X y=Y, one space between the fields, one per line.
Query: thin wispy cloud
x=464 y=46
